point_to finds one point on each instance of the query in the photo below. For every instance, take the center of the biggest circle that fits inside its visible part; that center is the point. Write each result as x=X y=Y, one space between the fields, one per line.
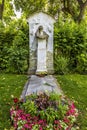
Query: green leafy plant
x=82 y=63
x=61 y=65
x=30 y=107
x=43 y=113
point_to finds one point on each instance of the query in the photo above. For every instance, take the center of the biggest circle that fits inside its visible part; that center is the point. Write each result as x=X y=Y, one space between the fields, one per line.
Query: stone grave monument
x=41 y=55
x=41 y=43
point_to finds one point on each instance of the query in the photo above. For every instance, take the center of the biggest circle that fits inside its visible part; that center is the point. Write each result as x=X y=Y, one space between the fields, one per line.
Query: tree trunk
x=2 y=9
x=67 y=8
x=82 y=10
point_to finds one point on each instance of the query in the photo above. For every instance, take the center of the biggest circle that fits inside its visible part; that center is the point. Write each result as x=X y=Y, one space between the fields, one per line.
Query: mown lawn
x=10 y=86
x=75 y=86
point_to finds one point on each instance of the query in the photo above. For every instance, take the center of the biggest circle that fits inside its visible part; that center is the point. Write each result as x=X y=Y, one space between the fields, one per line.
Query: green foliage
x=49 y=107
x=30 y=6
x=8 y=12
x=5 y=41
x=50 y=114
x=82 y=63
x=14 y=47
x=76 y=10
x=70 y=47
x=70 y=43
x=18 y=54
x=54 y=96
x=55 y=114
x=35 y=127
x=61 y=65
x=30 y=107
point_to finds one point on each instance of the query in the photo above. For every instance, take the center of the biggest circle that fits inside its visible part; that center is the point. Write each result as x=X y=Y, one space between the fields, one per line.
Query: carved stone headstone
x=41 y=43
x=42 y=38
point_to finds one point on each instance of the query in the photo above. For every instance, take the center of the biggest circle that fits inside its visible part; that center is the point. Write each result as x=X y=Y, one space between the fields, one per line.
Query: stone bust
x=41 y=34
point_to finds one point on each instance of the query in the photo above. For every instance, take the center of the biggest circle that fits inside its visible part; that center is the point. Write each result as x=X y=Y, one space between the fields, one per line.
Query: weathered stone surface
x=35 y=21
x=41 y=50
x=41 y=84
x=50 y=66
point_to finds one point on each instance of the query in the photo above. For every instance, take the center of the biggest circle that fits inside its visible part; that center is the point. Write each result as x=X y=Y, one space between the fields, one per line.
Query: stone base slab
x=37 y=84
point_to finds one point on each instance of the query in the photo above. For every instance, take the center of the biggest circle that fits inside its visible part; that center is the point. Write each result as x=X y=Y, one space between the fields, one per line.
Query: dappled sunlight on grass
x=75 y=87
x=10 y=86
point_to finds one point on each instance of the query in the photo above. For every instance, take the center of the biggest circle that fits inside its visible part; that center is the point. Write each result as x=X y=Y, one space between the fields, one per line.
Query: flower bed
x=43 y=112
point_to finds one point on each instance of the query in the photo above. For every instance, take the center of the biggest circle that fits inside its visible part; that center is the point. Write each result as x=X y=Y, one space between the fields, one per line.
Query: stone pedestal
x=41 y=57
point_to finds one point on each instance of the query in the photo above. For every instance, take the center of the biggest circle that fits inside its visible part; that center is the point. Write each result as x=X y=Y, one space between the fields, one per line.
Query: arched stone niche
x=38 y=58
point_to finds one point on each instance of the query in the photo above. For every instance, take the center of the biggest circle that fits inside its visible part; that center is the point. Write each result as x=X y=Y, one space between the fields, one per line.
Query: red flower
x=56 y=122
x=66 y=120
x=16 y=100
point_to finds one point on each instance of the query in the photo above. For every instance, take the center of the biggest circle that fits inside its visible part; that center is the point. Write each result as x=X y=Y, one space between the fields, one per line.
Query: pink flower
x=66 y=120
x=72 y=110
x=27 y=115
x=40 y=122
x=40 y=128
x=23 y=117
x=15 y=124
x=72 y=106
x=56 y=122
x=23 y=128
x=26 y=126
x=69 y=127
x=30 y=126
x=58 y=125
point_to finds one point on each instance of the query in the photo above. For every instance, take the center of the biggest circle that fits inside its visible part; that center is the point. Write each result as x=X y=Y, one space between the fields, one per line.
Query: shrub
x=18 y=54
x=70 y=41
x=82 y=63
x=14 y=47
x=61 y=65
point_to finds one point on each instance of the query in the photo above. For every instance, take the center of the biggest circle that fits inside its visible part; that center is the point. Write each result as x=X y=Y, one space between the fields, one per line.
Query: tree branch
x=82 y=9
x=85 y=4
x=80 y=2
x=67 y=8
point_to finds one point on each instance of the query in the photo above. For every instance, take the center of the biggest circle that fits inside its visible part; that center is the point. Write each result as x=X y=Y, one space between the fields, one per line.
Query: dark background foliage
x=70 y=47
x=14 y=50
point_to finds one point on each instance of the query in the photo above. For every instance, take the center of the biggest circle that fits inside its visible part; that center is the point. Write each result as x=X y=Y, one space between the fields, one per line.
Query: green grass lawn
x=75 y=86
x=10 y=86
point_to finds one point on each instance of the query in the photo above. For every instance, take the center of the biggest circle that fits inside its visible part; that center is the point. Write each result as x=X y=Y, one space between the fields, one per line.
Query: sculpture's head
x=40 y=28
